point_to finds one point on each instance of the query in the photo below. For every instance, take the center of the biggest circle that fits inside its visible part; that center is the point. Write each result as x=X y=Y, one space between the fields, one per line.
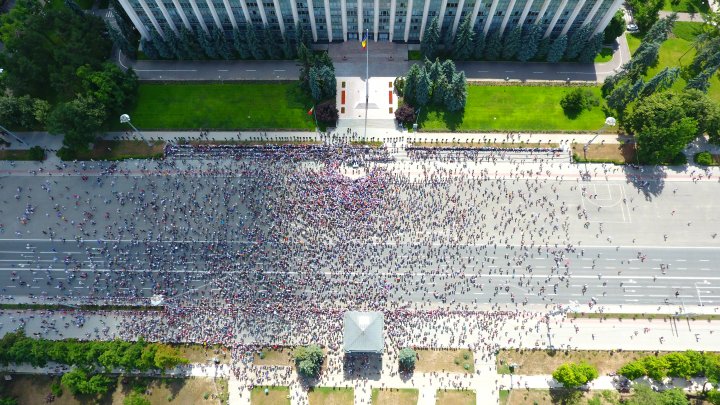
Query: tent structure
x=363 y=332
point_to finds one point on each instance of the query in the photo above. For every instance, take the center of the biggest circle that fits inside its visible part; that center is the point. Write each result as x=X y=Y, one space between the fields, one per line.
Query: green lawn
x=605 y=55
x=686 y=6
x=677 y=51
x=84 y=4
x=514 y=108
x=222 y=106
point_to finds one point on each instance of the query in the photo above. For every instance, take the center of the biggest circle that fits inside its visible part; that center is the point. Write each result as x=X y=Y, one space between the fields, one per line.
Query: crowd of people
x=258 y=245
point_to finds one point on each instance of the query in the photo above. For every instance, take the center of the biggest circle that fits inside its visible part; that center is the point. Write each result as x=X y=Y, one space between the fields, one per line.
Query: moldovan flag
x=364 y=40
x=310 y=111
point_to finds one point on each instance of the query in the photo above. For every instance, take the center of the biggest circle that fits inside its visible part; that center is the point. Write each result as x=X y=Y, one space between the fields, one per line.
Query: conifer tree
x=430 y=40
x=557 y=49
x=463 y=45
x=511 y=45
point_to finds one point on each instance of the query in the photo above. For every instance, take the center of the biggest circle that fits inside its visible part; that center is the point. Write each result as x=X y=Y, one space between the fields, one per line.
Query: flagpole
x=367 y=77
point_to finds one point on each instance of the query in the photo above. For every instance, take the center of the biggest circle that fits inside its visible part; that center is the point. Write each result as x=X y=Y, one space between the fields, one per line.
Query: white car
x=632 y=28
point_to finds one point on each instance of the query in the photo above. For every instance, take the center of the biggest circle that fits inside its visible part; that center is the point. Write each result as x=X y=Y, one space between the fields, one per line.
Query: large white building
x=386 y=20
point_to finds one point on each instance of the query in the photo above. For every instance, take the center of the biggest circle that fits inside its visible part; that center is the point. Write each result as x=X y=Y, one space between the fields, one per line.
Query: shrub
x=399 y=85
x=37 y=153
x=327 y=112
x=704 y=158
x=136 y=399
x=405 y=115
x=407 y=358
x=574 y=102
x=56 y=389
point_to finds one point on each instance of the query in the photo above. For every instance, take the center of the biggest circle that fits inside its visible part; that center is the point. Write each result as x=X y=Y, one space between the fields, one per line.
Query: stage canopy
x=363 y=332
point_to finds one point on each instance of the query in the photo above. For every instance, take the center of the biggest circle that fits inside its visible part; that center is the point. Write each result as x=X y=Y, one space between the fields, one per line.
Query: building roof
x=363 y=332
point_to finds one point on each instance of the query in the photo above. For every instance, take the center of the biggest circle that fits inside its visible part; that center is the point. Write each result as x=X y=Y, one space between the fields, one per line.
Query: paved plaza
x=483 y=251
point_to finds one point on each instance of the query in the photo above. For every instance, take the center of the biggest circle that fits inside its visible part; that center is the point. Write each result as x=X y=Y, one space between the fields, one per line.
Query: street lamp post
x=125 y=119
x=5 y=130
x=609 y=122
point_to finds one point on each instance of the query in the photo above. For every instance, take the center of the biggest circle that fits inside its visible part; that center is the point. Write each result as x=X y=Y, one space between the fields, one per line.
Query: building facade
x=386 y=20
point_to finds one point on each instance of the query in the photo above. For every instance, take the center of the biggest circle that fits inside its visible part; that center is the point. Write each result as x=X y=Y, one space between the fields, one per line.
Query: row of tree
x=685 y=365
x=56 y=75
x=520 y=43
x=17 y=348
x=437 y=84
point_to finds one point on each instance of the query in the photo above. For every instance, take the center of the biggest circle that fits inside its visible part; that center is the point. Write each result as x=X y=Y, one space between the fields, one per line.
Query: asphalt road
x=552 y=254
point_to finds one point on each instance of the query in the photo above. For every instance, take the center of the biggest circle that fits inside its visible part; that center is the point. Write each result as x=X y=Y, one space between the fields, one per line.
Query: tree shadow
x=648 y=180
x=564 y=396
x=452 y=120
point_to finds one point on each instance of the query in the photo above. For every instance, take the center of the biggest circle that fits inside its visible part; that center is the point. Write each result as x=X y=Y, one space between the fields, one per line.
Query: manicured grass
x=504 y=394
x=121 y=150
x=562 y=396
x=395 y=396
x=605 y=55
x=455 y=397
x=504 y=145
x=275 y=396
x=621 y=316
x=677 y=51
x=274 y=357
x=608 y=153
x=513 y=108
x=686 y=6
x=531 y=362
x=448 y=361
x=84 y=4
x=16 y=154
x=232 y=106
x=331 y=396
x=204 y=354
x=414 y=55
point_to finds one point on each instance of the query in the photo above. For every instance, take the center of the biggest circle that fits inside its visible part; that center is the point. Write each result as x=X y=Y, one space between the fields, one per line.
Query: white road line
x=279 y=70
x=166 y=70
x=223 y=70
x=250 y=70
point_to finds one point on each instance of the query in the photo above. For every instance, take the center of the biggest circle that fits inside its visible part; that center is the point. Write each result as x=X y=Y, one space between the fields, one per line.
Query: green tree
x=557 y=49
x=701 y=81
x=423 y=89
x=645 y=12
x=271 y=41
x=572 y=375
x=253 y=42
x=190 y=45
x=407 y=358
x=288 y=48
x=240 y=45
x=615 y=28
x=114 y=89
x=530 y=43
x=478 y=44
x=577 y=100
x=309 y=360
x=430 y=40
x=220 y=44
x=577 y=42
x=22 y=112
x=206 y=44
x=410 y=88
x=657 y=145
x=448 y=69
x=167 y=357
x=543 y=48
x=464 y=45
x=663 y=80
x=511 y=43
x=456 y=96
x=493 y=46
x=161 y=46
x=303 y=36
x=591 y=49
x=440 y=89
x=79 y=120
x=633 y=370
x=713 y=397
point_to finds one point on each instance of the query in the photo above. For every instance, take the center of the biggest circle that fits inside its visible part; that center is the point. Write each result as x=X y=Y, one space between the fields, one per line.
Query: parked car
x=632 y=27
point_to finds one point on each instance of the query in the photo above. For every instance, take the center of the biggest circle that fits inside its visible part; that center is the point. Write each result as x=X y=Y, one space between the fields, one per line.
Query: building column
x=166 y=15
x=507 y=16
x=491 y=15
x=525 y=12
x=328 y=22
x=426 y=11
x=376 y=19
x=556 y=17
x=311 y=14
x=441 y=17
x=360 y=17
x=246 y=13
x=279 y=16
x=475 y=12
x=181 y=13
x=393 y=9
x=608 y=16
x=261 y=8
x=572 y=17
x=228 y=9
x=593 y=11
x=214 y=13
x=199 y=16
x=408 y=18
x=135 y=19
x=152 y=18
x=458 y=15
x=343 y=18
